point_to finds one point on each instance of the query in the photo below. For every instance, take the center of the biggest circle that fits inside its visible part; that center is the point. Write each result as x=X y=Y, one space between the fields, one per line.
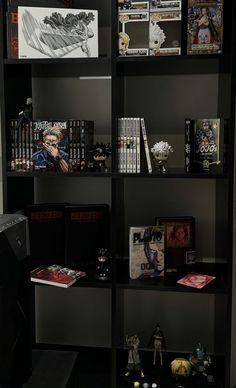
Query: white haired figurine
x=161 y=151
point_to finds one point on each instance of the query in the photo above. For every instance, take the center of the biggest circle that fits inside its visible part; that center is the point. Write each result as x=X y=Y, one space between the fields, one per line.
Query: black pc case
x=15 y=341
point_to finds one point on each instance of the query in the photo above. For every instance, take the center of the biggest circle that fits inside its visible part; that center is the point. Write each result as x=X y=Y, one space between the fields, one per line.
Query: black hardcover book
x=87 y=230
x=46 y=233
x=12 y=19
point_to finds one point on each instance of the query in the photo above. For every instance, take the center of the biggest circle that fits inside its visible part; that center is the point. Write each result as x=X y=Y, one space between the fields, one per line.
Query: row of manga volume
x=132 y=141
x=50 y=145
x=155 y=27
x=34 y=30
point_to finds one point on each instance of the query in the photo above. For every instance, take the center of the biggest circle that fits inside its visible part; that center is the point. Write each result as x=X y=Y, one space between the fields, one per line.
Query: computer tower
x=15 y=341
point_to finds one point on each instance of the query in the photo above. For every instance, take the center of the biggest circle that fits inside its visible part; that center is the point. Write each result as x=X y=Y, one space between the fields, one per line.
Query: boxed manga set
x=146 y=251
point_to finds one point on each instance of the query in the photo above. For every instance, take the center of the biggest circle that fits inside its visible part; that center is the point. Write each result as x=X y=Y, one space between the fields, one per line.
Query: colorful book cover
x=56 y=275
x=146 y=251
x=205 y=27
x=195 y=280
x=57 y=32
x=50 y=146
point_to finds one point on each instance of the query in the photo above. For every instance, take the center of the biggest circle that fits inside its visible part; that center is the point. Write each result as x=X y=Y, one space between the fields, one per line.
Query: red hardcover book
x=56 y=275
x=195 y=280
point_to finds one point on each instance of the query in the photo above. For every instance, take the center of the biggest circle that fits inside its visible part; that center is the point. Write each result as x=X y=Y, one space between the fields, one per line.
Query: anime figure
x=124 y=4
x=133 y=364
x=161 y=151
x=100 y=153
x=181 y=369
x=157 y=36
x=200 y=362
x=123 y=42
x=26 y=114
x=103 y=267
x=157 y=340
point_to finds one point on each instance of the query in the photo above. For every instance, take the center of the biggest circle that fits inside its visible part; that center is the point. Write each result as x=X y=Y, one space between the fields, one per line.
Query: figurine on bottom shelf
x=157 y=341
x=103 y=265
x=181 y=369
x=100 y=153
x=201 y=362
x=161 y=151
x=134 y=363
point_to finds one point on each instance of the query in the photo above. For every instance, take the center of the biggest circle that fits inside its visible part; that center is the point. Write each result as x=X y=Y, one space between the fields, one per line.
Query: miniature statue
x=157 y=340
x=27 y=113
x=100 y=153
x=200 y=362
x=161 y=151
x=103 y=267
x=133 y=364
x=181 y=369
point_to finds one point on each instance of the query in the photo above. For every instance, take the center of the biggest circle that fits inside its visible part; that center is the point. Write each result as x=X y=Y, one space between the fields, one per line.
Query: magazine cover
x=205 y=27
x=56 y=275
x=50 y=146
x=57 y=33
x=133 y=28
x=195 y=280
x=146 y=251
x=165 y=28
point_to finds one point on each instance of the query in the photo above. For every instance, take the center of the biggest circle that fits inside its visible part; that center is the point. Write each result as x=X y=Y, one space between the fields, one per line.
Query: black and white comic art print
x=57 y=32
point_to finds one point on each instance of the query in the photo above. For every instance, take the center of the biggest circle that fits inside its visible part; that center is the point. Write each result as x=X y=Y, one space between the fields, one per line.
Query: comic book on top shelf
x=206 y=143
x=165 y=27
x=12 y=19
x=128 y=145
x=57 y=33
x=19 y=145
x=81 y=138
x=87 y=230
x=56 y=275
x=50 y=145
x=146 y=251
x=46 y=223
x=205 y=27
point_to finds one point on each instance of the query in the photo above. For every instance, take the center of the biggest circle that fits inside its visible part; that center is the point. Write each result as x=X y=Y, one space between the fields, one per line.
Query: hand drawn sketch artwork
x=57 y=33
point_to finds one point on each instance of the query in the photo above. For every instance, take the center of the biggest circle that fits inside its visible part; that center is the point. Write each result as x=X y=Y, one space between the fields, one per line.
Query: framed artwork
x=179 y=241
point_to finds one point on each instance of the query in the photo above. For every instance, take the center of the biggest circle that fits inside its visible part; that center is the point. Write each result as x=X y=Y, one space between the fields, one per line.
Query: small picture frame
x=179 y=241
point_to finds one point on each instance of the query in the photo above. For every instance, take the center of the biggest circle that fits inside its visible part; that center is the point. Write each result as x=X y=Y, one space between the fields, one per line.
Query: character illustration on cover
x=51 y=157
x=205 y=134
x=150 y=253
x=204 y=23
x=178 y=235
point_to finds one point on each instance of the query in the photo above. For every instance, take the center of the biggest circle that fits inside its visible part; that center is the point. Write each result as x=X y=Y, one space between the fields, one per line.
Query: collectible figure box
x=146 y=251
x=165 y=28
x=133 y=36
x=205 y=27
x=57 y=32
x=179 y=241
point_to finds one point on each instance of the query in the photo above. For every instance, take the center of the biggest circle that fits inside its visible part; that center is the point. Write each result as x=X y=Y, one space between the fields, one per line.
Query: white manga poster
x=57 y=32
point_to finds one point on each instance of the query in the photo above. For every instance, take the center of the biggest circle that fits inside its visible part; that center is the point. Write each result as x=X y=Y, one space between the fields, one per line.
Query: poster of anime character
x=205 y=27
x=57 y=33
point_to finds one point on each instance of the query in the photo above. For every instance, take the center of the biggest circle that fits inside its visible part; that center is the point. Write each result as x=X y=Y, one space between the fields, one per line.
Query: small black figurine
x=201 y=362
x=100 y=152
x=26 y=114
x=103 y=265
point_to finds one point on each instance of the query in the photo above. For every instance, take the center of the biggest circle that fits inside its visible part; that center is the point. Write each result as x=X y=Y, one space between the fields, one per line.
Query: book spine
x=138 y=160
x=12 y=32
x=188 y=146
x=146 y=148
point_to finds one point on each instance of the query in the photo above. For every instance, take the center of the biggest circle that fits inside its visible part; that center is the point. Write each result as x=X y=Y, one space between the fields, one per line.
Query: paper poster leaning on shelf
x=57 y=33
